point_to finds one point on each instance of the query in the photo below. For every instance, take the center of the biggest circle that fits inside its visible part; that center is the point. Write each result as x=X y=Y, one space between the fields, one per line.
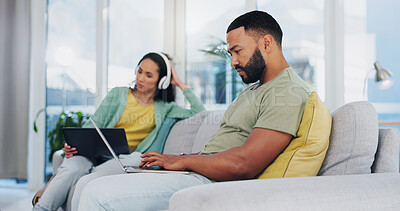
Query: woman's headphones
x=166 y=80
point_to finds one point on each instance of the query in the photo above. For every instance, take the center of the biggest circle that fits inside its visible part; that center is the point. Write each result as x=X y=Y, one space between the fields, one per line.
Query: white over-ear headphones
x=166 y=80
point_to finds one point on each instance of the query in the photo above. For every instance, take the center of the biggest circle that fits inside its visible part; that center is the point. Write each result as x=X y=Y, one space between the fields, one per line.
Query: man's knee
x=83 y=181
x=92 y=191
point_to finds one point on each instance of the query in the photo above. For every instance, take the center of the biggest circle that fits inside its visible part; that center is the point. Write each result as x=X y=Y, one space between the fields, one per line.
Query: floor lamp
x=380 y=75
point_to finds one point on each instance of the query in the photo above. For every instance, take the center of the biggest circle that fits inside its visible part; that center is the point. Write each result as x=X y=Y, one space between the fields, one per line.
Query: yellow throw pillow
x=305 y=154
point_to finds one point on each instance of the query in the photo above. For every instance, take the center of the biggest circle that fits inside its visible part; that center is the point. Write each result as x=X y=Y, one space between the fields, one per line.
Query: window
x=302 y=23
x=370 y=36
x=303 y=45
x=136 y=28
x=206 y=24
x=71 y=66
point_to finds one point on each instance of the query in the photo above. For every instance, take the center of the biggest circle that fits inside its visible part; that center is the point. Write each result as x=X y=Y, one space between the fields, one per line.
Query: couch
x=360 y=170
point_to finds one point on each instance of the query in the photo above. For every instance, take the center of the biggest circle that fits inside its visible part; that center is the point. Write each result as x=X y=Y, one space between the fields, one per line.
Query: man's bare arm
x=243 y=162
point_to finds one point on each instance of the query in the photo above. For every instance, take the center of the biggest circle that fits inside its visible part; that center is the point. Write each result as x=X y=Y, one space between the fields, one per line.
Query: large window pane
x=302 y=23
x=371 y=31
x=206 y=24
x=359 y=49
x=71 y=66
x=136 y=28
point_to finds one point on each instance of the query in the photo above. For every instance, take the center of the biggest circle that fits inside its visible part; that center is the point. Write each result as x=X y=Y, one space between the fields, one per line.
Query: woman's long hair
x=168 y=94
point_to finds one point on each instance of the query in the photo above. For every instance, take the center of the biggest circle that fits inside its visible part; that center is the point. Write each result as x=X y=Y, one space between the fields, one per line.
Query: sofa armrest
x=349 y=192
x=387 y=154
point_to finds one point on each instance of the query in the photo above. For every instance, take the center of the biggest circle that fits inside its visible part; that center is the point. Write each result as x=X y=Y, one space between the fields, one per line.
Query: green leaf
x=218 y=49
x=66 y=119
x=35 y=127
x=36 y=117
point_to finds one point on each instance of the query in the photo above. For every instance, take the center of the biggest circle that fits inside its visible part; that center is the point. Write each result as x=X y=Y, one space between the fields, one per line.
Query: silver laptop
x=132 y=169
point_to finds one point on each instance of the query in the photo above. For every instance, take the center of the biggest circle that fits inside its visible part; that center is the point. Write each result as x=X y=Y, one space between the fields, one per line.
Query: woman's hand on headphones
x=175 y=80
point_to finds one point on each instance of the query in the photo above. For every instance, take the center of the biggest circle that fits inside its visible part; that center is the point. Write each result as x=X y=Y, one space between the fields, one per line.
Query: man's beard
x=254 y=68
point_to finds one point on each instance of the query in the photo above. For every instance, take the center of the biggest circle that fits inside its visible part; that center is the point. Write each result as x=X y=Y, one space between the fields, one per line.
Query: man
x=255 y=128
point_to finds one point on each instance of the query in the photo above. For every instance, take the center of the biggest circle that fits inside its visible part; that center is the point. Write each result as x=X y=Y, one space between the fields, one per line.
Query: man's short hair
x=257 y=24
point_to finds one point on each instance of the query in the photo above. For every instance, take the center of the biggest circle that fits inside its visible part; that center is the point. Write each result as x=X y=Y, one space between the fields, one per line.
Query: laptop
x=131 y=169
x=89 y=144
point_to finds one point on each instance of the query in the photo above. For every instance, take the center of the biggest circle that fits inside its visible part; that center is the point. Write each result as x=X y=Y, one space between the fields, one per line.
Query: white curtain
x=14 y=87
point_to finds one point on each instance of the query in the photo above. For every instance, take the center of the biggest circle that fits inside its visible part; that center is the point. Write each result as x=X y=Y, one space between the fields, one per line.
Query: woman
x=146 y=112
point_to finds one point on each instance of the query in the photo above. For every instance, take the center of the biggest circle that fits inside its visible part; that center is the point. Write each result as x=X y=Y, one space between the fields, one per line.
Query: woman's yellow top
x=137 y=120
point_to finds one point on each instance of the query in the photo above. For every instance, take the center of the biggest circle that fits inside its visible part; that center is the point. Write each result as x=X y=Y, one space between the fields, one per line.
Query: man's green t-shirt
x=276 y=105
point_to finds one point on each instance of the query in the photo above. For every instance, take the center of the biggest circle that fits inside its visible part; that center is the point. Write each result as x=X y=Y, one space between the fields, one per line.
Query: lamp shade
x=381 y=74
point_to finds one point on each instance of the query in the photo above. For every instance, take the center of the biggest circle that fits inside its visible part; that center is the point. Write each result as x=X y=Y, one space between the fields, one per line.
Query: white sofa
x=360 y=170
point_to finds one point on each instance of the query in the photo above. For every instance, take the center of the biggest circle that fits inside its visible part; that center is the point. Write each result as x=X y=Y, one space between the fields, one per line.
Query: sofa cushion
x=351 y=192
x=182 y=135
x=208 y=127
x=305 y=153
x=353 y=141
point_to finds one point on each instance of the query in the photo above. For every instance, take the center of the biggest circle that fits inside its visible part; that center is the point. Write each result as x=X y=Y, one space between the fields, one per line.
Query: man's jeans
x=137 y=191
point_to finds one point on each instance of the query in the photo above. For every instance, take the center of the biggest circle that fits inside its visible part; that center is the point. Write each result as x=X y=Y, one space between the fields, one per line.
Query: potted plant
x=218 y=48
x=55 y=136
